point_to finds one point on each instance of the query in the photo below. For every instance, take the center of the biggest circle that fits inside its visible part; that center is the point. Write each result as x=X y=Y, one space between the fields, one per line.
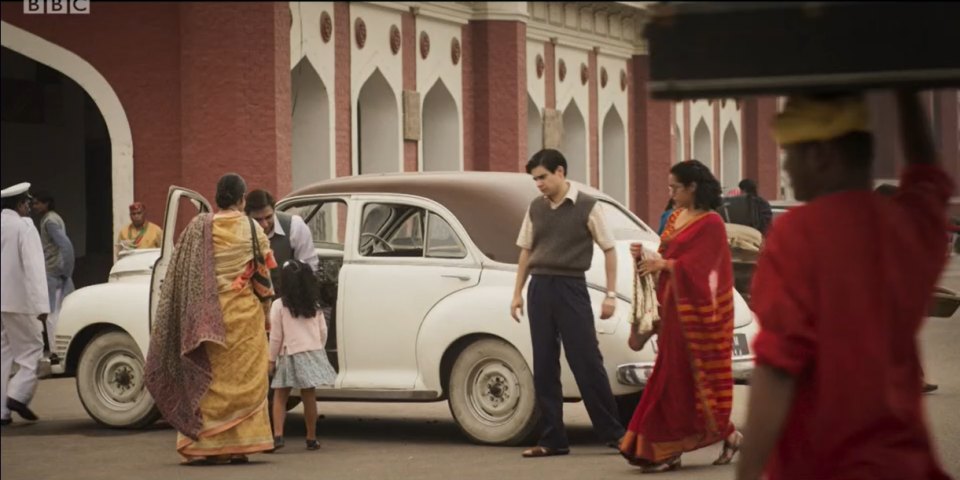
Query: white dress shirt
x=596 y=222
x=23 y=276
x=301 y=240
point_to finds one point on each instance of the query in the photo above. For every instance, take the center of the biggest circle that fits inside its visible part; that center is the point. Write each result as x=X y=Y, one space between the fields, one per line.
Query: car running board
x=361 y=394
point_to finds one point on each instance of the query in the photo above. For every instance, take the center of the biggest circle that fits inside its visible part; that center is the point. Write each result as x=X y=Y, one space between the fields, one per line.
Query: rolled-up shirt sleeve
x=597 y=224
x=525 y=238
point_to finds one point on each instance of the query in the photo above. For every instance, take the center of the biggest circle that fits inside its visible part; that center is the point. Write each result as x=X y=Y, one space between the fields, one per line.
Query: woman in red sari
x=686 y=403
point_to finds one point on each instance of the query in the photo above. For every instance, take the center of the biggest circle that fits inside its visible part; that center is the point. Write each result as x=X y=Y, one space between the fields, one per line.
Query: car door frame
x=472 y=260
x=159 y=269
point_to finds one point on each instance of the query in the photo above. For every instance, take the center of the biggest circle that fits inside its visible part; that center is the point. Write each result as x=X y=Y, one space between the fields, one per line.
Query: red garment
x=840 y=290
x=686 y=403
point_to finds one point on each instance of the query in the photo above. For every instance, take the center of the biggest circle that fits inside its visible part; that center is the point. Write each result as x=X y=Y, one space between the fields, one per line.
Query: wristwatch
x=611 y=294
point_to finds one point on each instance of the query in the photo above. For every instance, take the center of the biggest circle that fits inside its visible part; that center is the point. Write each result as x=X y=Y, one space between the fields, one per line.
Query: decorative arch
x=575 y=143
x=702 y=147
x=731 y=158
x=378 y=127
x=614 y=163
x=534 y=127
x=102 y=94
x=311 y=158
x=441 y=130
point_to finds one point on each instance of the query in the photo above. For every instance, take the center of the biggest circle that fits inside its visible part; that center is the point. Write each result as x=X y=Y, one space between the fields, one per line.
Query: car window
x=326 y=220
x=392 y=230
x=623 y=226
x=442 y=240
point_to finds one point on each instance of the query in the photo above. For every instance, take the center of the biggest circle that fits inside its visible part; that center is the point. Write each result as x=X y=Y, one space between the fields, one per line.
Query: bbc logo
x=75 y=7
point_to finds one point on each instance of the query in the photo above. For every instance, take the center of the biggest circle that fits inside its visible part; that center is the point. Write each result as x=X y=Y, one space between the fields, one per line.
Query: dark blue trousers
x=559 y=310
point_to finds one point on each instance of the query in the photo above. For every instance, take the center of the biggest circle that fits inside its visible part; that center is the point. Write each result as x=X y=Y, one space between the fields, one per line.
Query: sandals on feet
x=666 y=466
x=539 y=451
x=731 y=445
x=313 y=445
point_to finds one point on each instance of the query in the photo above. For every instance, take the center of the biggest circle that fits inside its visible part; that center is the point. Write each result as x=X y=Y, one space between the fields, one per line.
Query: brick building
x=120 y=103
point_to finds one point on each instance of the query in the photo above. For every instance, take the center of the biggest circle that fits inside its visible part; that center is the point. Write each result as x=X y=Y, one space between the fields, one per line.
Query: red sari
x=687 y=401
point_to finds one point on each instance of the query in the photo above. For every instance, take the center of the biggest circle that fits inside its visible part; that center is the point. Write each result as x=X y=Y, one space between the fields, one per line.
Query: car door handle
x=458 y=277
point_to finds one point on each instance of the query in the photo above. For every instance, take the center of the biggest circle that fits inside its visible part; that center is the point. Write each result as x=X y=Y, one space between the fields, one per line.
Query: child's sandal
x=313 y=445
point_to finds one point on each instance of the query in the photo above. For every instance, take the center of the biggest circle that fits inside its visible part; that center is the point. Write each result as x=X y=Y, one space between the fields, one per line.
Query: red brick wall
x=341 y=87
x=687 y=132
x=761 y=156
x=231 y=113
x=594 y=123
x=469 y=110
x=182 y=73
x=550 y=74
x=649 y=143
x=408 y=29
x=499 y=84
x=137 y=50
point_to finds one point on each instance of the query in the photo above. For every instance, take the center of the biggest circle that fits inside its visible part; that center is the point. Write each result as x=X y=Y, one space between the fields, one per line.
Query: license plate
x=740 y=345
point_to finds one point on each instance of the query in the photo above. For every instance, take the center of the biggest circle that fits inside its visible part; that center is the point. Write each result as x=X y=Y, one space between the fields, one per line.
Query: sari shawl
x=234 y=407
x=687 y=401
x=178 y=371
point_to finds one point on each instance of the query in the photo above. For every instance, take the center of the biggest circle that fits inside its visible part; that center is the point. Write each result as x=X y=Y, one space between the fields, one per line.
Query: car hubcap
x=120 y=380
x=493 y=391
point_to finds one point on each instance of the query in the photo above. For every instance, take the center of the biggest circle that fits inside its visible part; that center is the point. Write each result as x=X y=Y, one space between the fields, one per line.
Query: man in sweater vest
x=289 y=235
x=556 y=242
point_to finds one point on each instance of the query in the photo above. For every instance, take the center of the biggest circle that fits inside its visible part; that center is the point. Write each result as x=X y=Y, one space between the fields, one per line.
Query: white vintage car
x=419 y=271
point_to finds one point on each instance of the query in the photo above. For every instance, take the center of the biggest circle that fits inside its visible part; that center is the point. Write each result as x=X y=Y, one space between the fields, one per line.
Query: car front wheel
x=492 y=395
x=110 y=382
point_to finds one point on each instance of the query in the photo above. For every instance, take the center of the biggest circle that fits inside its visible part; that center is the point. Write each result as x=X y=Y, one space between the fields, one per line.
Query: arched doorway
x=731 y=158
x=677 y=145
x=614 y=157
x=702 y=148
x=54 y=136
x=115 y=192
x=378 y=128
x=534 y=128
x=441 y=130
x=575 y=143
x=311 y=126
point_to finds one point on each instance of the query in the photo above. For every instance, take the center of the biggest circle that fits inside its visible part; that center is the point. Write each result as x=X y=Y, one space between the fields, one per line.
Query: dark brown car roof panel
x=489 y=205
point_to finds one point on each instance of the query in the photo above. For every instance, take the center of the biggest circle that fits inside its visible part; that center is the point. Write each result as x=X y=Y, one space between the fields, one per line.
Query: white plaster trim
x=573 y=39
x=103 y=95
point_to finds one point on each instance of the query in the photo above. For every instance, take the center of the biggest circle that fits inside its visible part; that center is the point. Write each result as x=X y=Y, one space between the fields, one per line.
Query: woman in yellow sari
x=208 y=357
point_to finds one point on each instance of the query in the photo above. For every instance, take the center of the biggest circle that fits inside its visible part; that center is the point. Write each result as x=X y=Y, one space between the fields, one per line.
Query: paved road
x=385 y=441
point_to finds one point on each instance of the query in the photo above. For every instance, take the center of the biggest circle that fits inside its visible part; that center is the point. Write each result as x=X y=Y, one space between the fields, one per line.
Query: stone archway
x=730 y=158
x=575 y=143
x=378 y=128
x=614 y=164
x=102 y=95
x=534 y=128
x=311 y=126
x=702 y=148
x=441 y=130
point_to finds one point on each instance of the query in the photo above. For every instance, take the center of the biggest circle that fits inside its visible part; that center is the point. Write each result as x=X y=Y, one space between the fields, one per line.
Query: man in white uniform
x=24 y=303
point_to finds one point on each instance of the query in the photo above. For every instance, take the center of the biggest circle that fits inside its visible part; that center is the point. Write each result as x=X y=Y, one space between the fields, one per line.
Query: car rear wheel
x=492 y=395
x=110 y=382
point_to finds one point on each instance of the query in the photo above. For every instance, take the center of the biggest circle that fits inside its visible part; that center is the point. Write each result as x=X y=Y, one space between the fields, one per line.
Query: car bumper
x=637 y=374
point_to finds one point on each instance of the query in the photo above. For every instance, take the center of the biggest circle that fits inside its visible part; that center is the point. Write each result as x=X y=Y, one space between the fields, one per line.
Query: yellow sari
x=234 y=409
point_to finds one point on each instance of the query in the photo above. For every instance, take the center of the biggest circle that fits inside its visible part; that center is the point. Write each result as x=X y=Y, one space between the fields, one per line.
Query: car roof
x=489 y=205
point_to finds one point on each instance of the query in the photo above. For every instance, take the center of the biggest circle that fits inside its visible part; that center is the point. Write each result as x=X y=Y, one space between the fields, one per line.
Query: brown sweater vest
x=562 y=242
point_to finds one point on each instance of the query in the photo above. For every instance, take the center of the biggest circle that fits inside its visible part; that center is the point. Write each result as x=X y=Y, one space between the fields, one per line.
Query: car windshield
x=622 y=225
